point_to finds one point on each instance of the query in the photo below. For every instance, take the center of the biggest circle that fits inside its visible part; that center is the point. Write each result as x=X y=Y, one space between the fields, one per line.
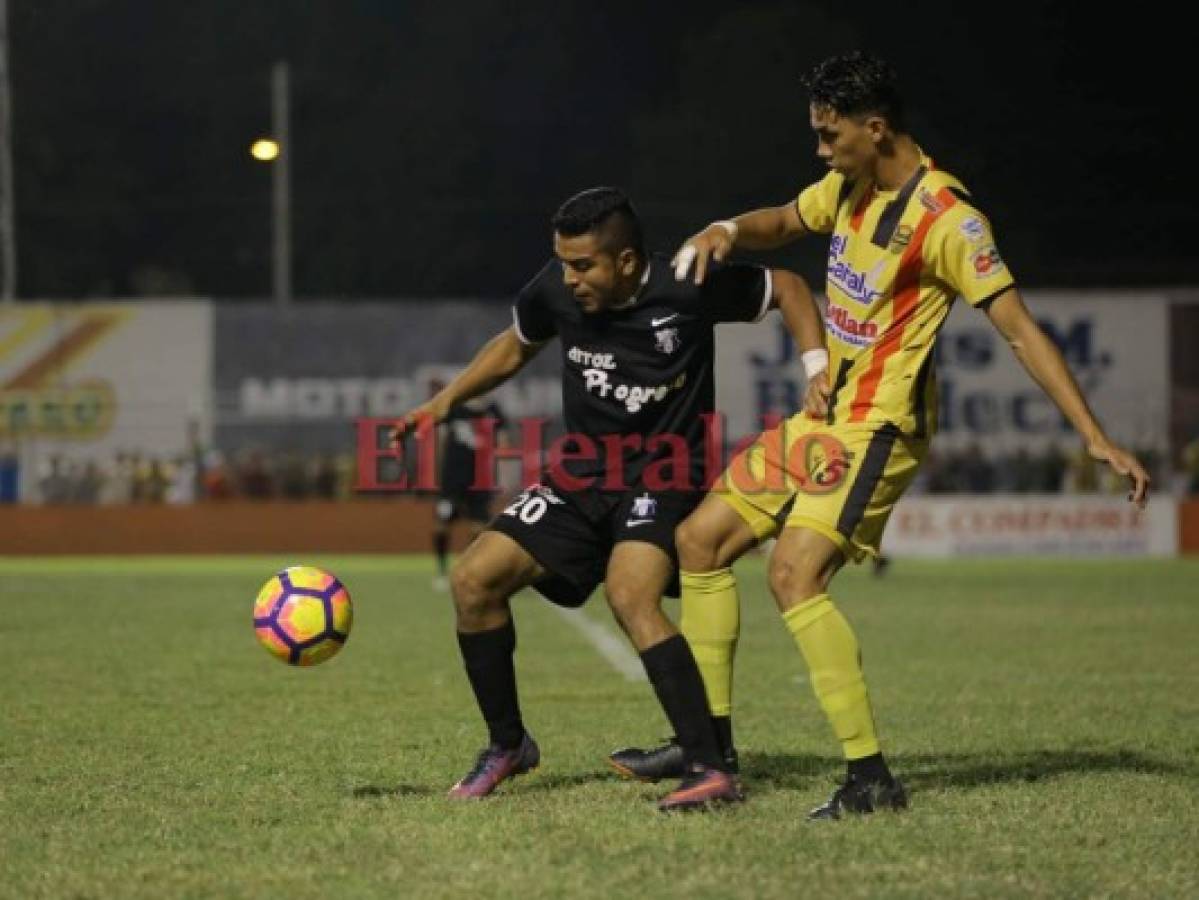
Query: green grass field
x=1044 y=714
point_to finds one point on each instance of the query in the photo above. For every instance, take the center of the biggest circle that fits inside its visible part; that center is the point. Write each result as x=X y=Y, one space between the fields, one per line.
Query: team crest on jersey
x=668 y=339
x=645 y=506
x=987 y=261
x=903 y=237
x=931 y=203
x=973 y=228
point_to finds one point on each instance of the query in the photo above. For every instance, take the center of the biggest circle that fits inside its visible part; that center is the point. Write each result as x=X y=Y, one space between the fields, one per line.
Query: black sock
x=680 y=689
x=488 y=659
x=723 y=726
x=870 y=768
x=441 y=546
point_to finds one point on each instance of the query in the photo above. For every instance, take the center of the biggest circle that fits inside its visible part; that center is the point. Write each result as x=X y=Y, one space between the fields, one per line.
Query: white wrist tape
x=687 y=253
x=683 y=261
x=814 y=362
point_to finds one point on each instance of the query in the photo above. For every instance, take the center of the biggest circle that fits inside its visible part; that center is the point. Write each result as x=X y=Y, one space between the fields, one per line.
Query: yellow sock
x=834 y=663
x=711 y=623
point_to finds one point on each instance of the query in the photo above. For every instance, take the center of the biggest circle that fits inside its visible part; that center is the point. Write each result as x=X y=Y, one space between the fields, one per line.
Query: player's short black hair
x=608 y=213
x=857 y=84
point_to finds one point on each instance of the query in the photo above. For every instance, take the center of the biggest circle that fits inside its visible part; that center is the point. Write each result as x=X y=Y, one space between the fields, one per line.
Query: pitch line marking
x=611 y=647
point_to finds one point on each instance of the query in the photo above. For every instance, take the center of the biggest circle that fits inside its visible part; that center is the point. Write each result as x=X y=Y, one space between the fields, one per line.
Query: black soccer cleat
x=666 y=761
x=652 y=765
x=858 y=796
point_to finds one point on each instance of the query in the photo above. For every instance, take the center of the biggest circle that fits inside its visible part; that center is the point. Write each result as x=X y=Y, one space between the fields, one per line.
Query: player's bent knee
x=628 y=602
x=474 y=590
x=640 y=615
x=791 y=581
x=713 y=537
x=697 y=551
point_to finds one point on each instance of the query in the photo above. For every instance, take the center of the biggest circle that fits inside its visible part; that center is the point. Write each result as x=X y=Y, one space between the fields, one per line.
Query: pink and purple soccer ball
x=303 y=615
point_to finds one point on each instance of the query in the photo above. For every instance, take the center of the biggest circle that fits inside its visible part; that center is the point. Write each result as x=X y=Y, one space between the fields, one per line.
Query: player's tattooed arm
x=801 y=316
x=1043 y=361
x=761 y=229
x=497 y=361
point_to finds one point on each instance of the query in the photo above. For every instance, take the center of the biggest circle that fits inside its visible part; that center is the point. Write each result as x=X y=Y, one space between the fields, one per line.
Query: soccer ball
x=302 y=616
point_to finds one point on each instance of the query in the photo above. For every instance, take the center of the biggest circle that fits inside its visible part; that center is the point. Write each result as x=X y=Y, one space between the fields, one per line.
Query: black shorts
x=472 y=505
x=572 y=534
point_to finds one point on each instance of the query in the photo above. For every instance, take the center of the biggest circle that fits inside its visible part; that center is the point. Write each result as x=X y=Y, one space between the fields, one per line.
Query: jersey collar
x=926 y=164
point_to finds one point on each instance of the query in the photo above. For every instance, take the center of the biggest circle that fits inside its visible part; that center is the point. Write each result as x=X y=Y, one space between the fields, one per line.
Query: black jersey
x=460 y=443
x=645 y=369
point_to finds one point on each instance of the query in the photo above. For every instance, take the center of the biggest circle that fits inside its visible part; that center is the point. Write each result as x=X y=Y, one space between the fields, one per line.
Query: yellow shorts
x=839 y=480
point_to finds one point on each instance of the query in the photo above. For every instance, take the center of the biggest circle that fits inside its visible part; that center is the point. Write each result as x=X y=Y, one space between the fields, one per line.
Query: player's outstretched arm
x=1038 y=354
x=762 y=229
x=801 y=316
x=497 y=361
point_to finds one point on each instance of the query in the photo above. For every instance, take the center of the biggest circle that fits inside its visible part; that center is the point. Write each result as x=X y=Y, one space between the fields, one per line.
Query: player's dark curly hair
x=605 y=211
x=857 y=84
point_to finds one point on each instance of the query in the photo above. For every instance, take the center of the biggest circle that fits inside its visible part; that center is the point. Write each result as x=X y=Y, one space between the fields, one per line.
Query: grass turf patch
x=1042 y=713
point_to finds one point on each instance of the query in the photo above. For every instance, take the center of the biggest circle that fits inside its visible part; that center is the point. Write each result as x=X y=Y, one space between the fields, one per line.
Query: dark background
x=432 y=139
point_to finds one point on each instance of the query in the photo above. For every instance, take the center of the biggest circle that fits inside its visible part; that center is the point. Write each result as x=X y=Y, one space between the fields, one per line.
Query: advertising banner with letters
x=298 y=378
x=1114 y=343
x=87 y=380
x=94 y=378
x=1031 y=525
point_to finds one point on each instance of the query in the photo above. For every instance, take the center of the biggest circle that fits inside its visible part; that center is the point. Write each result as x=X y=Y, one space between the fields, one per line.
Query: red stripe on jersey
x=904 y=299
x=855 y=221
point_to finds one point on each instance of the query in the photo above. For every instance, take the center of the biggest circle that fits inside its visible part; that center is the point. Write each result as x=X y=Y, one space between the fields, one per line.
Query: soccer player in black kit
x=637 y=379
x=456 y=501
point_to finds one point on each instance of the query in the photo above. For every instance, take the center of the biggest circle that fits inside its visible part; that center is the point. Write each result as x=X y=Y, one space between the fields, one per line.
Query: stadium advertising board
x=986 y=396
x=89 y=380
x=92 y=378
x=1016 y=525
x=300 y=377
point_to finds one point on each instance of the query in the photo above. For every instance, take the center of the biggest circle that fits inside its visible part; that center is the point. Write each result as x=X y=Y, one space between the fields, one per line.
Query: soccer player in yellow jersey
x=906 y=240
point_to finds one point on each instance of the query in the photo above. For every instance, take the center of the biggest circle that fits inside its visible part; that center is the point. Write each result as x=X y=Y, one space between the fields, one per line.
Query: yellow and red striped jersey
x=896 y=262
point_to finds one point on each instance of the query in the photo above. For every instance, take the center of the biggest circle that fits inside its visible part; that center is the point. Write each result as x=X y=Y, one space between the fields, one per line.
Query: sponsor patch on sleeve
x=973 y=228
x=987 y=261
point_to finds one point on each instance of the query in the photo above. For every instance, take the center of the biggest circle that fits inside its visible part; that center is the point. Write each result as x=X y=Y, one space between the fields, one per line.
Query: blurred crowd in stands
x=256 y=475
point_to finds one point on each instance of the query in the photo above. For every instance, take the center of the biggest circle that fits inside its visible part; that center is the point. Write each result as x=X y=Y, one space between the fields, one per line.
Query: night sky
x=433 y=139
